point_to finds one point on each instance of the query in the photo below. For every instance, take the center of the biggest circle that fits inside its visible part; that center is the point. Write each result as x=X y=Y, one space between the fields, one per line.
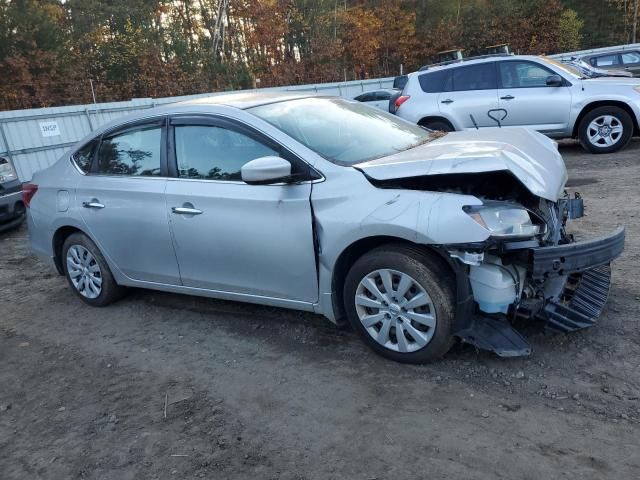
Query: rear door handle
x=186 y=211
x=507 y=97
x=93 y=204
x=448 y=100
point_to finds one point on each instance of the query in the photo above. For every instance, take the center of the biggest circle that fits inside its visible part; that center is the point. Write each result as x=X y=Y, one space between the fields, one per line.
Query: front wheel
x=400 y=299
x=605 y=129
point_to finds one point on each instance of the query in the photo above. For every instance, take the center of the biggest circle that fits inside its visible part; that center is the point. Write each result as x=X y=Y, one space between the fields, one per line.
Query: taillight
x=401 y=99
x=28 y=191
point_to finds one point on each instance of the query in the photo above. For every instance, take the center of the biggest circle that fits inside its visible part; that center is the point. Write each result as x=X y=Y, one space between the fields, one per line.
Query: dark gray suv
x=12 y=211
x=628 y=60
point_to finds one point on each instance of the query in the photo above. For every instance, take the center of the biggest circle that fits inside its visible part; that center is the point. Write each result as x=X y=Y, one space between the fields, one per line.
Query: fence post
x=6 y=143
x=86 y=112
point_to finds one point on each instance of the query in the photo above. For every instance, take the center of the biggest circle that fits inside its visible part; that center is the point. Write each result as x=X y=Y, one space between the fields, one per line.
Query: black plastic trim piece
x=575 y=257
x=496 y=335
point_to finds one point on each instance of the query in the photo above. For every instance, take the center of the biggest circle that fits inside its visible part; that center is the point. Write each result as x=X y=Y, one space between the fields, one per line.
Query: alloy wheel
x=605 y=131
x=84 y=271
x=395 y=310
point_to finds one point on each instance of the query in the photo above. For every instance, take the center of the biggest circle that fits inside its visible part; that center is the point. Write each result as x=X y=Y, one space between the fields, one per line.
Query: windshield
x=564 y=67
x=342 y=131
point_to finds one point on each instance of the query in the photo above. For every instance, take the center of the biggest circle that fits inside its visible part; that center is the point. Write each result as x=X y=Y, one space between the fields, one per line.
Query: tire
x=426 y=271
x=87 y=272
x=611 y=127
x=438 y=126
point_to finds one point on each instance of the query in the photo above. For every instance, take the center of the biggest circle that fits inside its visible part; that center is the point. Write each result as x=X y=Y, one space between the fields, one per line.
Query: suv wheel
x=437 y=126
x=88 y=273
x=605 y=130
x=401 y=302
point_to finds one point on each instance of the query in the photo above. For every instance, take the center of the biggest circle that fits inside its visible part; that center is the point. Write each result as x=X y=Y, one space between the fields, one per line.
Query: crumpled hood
x=530 y=156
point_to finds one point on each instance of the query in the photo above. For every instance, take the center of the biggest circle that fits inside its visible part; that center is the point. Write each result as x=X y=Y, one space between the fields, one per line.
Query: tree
x=570 y=27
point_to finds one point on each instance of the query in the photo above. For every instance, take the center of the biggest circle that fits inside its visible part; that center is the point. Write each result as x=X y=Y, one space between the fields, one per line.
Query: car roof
x=244 y=100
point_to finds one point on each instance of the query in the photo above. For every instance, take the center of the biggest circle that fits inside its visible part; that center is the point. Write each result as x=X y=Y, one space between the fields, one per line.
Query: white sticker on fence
x=49 y=128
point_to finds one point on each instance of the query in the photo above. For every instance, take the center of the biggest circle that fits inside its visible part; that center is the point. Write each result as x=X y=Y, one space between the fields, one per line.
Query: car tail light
x=28 y=191
x=401 y=99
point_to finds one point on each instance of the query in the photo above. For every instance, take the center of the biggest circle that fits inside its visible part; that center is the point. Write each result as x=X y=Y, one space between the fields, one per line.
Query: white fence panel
x=580 y=53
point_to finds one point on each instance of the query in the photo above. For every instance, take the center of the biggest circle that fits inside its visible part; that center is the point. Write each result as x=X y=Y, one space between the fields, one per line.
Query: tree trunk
x=635 y=19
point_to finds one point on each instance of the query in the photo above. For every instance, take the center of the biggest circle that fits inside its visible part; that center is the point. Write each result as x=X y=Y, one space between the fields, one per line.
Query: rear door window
x=135 y=152
x=481 y=76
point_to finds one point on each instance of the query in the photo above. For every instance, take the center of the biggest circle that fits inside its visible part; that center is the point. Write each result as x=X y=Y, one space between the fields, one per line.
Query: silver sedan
x=415 y=238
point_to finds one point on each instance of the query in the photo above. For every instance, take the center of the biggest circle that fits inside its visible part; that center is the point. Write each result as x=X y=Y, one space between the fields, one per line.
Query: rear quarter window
x=435 y=82
x=83 y=157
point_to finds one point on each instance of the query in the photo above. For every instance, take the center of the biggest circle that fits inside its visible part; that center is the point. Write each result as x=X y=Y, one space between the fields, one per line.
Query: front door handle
x=93 y=204
x=448 y=100
x=186 y=211
x=507 y=97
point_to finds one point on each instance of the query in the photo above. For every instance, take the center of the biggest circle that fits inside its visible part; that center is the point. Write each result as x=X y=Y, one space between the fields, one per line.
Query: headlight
x=504 y=221
x=7 y=172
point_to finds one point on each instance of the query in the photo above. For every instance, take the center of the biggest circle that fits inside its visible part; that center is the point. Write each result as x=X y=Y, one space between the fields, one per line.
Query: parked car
x=589 y=71
x=328 y=206
x=398 y=85
x=628 y=60
x=525 y=91
x=12 y=211
x=376 y=98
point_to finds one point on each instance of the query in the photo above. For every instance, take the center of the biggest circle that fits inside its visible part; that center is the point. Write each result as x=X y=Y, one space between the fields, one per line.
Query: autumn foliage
x=53 y=51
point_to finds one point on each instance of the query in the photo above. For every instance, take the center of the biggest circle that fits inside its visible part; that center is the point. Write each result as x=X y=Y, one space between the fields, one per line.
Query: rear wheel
x=88 y=273
x=605 y=129
x=400 y=300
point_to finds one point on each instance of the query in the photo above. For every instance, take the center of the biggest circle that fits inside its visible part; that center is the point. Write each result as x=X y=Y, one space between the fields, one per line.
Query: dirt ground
x=254 y=392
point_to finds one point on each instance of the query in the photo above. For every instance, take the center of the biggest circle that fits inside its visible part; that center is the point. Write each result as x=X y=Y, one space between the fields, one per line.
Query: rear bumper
x=544 y=262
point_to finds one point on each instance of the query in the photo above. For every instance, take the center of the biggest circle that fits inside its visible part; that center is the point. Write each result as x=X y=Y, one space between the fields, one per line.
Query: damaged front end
x=536 y=271
x=526 y=266
x=529 y=267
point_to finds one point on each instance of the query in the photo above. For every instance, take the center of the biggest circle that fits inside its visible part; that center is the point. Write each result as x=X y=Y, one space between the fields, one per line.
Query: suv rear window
x=435 y=82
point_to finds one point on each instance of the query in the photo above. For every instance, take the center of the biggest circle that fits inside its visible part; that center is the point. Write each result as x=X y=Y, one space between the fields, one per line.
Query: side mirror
x=554 y=81
x=265 y=170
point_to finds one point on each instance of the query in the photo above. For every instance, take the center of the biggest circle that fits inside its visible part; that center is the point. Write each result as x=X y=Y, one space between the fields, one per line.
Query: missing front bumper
x=586 y=268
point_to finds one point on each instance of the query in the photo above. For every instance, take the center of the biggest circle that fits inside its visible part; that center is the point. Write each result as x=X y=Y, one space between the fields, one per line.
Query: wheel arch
x=606 y=103
x=436 y=118
x=59 y=237
x=360 y=247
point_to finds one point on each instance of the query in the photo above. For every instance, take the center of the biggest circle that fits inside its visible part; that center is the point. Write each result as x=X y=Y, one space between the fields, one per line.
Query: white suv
x=528 y=91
